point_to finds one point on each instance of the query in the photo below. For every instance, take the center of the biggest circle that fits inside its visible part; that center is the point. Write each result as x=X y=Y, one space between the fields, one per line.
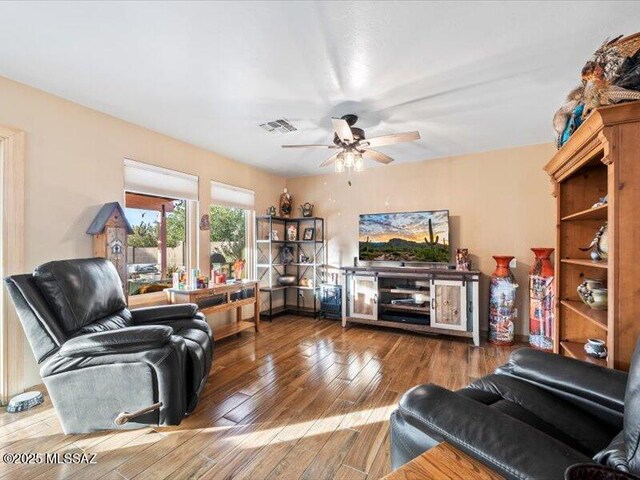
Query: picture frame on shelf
x=309 y=234
x=292 y=233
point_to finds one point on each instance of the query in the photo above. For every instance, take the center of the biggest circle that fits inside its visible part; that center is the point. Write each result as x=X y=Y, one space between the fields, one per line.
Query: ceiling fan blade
x=311 y=145
x=342 y=129
x=377 y=156
x=330 y=160
x=389 y=139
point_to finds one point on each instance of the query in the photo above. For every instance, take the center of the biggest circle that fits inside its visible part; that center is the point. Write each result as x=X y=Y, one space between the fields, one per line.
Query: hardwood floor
x=303 y=399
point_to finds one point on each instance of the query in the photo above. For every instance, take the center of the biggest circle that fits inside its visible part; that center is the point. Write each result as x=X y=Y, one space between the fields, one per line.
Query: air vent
x=278 y=126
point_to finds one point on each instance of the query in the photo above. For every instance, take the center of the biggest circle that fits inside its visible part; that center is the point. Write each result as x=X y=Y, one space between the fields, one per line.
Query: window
x=231 y=217
x=160 y=206
x=228 y=237
x=158 y=245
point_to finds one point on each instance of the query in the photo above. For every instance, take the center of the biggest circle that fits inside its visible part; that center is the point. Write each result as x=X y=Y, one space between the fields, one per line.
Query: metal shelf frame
x=270 y=263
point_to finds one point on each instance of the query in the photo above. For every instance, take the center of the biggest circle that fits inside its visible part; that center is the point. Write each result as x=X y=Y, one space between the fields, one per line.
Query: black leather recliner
x=533 y=418
x=99 y=359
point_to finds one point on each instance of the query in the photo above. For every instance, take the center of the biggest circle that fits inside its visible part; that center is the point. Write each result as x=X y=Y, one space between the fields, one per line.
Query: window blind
x=230 y=196
x=162 y=182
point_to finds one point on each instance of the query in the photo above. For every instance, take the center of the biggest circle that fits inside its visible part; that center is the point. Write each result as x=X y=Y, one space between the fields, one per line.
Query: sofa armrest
x=569 y=378
x=123 y=340
x=501 y=442
x=162 y=313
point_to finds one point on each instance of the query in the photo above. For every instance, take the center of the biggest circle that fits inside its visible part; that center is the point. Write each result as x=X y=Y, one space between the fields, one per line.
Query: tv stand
x=427 y=300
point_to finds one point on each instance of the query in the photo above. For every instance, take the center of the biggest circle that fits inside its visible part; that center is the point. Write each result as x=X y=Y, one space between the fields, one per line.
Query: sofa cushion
x=80 y=291
x=543 y=411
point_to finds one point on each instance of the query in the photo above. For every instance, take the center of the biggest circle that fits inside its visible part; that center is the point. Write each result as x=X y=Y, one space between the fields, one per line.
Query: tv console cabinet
x=427 y=300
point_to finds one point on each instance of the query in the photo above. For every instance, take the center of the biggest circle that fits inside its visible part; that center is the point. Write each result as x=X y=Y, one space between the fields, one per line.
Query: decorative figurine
x=205 y=224
x=463 y=263
x=238 y=267
x=541 y=300
x=307 y=210
x=274 y=236
x=271 y=211
x=502 y=303
x=599 y=246
x=286 y=204
x=602 y=201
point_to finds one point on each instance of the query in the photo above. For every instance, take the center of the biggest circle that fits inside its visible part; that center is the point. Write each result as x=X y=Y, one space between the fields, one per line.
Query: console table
x=428 y=300
x=443 y=462
x=222 y=298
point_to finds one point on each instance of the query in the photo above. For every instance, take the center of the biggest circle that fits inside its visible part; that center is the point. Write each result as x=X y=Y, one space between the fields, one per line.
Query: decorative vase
x=541 y=300
x=502 y=303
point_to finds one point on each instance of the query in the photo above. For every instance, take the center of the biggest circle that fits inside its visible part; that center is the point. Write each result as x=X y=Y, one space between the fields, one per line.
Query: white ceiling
x=469 y=76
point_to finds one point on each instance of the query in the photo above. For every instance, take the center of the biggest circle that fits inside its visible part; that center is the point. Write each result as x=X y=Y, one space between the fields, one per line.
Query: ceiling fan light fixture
x=339 y=164
x=349 y=159
x=358 y=164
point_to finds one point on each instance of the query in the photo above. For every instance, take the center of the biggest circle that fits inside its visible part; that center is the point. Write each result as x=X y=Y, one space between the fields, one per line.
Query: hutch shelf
x=600 y=159
x=305 y=261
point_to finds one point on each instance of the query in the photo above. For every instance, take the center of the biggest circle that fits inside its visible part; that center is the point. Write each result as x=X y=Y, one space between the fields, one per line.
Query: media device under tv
x=405 y=237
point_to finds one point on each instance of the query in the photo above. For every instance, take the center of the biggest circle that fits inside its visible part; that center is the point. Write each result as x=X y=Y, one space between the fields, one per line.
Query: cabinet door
x=449 y=304
x=364 y=297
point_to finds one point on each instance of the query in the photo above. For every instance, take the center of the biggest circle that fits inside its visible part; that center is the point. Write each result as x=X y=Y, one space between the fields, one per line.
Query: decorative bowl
x=585 y=290
x=287 y=279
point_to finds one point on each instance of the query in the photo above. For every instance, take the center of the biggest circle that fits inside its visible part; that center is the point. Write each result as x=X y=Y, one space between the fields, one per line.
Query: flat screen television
x=405 y=237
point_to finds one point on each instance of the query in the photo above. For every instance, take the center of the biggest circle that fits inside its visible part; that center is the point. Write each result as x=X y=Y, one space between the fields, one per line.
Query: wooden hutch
x=601 y=158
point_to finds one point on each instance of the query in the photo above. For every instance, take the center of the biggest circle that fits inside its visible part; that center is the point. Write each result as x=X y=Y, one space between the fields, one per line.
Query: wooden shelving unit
x=600 y=159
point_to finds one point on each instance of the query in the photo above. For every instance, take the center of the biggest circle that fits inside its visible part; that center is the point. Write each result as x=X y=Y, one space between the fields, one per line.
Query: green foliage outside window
x=228 y=227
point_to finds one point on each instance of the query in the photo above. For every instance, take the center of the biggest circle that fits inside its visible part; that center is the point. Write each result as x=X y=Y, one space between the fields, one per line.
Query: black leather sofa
x=99 y=359
x=532 y=419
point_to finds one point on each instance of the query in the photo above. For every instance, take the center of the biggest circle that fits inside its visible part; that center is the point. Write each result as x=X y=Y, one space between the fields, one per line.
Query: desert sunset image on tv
x=406 y=237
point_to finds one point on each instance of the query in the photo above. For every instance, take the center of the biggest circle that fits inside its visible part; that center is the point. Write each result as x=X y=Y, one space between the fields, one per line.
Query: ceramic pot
x=541 y=300
x=599 y=299
x=586 y=288
x=502 y=303
x=595 y=348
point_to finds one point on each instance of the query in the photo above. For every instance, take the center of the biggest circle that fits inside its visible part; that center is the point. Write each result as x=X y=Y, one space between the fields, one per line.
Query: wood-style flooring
x=302 y=399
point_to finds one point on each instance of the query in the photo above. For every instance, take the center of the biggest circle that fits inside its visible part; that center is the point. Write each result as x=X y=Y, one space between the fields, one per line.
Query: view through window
x=228 y=237
x=157 y=247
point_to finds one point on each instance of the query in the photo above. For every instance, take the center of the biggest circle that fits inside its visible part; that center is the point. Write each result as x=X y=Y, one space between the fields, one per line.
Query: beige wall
x=75 y=164
x=499 y=203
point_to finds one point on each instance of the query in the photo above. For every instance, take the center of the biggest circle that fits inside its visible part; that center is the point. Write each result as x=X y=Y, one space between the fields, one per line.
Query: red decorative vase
x=502 y=303
x=541 y=300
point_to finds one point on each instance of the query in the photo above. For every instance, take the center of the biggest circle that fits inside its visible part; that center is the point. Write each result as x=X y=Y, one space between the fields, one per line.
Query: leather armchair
x=534 y=418
x=99 y=359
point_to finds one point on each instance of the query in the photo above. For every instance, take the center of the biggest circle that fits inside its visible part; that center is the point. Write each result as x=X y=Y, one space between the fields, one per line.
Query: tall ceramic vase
x=541 y=300
x=502 y=303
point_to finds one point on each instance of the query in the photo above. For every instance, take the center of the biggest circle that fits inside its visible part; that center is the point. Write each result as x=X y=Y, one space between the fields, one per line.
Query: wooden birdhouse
x=110 y=229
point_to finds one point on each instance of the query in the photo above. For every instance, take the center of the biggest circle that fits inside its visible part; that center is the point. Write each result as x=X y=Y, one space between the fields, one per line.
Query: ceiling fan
x=353 y=145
